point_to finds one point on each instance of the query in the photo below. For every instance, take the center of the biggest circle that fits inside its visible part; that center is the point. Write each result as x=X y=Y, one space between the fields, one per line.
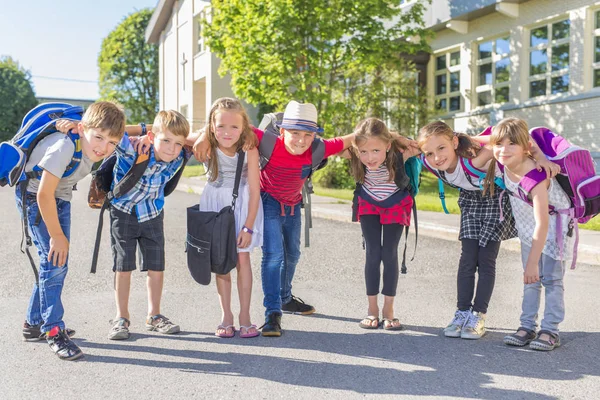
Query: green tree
x=336 y=54
x=129 y=68
x=16 y=96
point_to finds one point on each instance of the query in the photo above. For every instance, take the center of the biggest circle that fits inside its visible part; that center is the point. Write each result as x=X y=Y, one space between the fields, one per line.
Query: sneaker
x=297 y=306
x=62 y=345
x=119 y=330
x=545 y=345
x=161 y=324
x=455 y=327
x=474 y=328
x=33 y=333
x=272 y=326
x=518 y=340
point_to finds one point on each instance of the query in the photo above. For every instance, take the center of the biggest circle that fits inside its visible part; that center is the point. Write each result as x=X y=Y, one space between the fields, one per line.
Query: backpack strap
x=174 y=181
x=26 y=241
x=238 y=177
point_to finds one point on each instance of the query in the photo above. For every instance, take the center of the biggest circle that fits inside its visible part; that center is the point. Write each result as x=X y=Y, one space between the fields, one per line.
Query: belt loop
x=282 y=210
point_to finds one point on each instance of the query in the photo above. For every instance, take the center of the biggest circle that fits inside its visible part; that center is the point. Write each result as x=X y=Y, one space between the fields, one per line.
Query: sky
x=59 y=41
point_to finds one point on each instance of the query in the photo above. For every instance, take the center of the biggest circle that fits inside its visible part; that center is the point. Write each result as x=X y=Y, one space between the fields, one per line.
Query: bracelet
x=143 y=125
x=247 y=230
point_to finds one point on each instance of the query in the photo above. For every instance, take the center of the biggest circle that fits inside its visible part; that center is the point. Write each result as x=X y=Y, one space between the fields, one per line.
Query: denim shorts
x=125 y=234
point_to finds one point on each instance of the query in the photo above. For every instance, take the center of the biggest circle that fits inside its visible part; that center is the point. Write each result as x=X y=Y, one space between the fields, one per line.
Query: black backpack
x=100 y=193
x=271 y=132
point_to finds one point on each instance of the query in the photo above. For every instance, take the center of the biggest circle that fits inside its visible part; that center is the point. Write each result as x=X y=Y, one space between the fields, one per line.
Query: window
x=493 y=71
x=549 y=59
x=447 y=81
x=596 y=59
x=199 y=38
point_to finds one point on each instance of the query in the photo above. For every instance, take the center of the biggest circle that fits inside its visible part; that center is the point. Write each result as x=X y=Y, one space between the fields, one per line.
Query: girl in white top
x=227 y=130
x=543 y=260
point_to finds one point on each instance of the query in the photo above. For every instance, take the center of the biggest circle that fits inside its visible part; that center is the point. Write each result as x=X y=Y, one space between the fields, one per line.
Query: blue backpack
x=37 y=124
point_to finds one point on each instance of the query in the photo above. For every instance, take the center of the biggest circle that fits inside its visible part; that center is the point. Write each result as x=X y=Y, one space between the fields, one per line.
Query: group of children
x=268 y=215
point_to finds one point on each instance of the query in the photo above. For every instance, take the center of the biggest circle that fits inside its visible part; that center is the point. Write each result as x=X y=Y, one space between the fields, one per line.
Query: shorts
x=126 y=232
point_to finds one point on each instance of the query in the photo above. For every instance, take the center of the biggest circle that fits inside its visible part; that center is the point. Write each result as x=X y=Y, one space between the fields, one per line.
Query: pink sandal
x=248 y=334
x=225 y=334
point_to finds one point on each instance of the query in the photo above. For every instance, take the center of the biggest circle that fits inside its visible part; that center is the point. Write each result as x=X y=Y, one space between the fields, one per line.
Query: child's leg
x=244 y=285
x=531 y=296
x=552 y=279
x=391 y=237
x=486 y=266
x=466 y=273
x=154 y=284
x=272 y=257
x=292 y=229
x=122 y=288
x=371 y=229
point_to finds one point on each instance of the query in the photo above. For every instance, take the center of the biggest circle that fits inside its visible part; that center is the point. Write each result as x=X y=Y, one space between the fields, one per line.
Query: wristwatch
x=247 y=230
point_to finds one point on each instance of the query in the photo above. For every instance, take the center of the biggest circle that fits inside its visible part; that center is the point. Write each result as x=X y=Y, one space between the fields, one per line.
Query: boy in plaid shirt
x=137 y=218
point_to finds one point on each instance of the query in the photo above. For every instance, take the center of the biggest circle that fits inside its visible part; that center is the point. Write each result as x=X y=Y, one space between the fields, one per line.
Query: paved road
x=321 y=355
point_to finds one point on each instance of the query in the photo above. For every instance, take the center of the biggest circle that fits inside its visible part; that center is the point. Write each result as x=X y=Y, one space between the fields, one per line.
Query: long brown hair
x=513 y=129
x=247 y=136
x=467 y=147
x=365 y=130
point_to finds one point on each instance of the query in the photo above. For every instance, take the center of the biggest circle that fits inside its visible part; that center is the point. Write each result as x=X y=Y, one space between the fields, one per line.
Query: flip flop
x=371 y=318
x=225 y=334
x=390 y=324
x=247 y=334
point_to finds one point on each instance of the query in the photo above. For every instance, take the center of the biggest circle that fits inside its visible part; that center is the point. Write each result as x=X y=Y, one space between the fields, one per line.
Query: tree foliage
x=129 y=68
x=341 y=55
x=16 y=96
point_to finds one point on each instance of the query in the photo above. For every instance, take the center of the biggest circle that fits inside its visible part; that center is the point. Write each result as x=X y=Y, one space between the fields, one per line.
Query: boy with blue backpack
x=47 y=169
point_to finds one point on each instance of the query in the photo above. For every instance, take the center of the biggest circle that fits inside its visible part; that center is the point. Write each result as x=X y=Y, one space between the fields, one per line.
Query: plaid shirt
x=147 y=198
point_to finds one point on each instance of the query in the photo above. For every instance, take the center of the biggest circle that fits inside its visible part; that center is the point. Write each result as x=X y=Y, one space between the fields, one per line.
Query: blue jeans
x=45 y=305
x=281 y=251
x=551 y=278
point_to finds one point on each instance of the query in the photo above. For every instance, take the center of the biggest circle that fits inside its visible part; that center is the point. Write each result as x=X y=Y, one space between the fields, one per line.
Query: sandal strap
x=551 y=334
x=529 y=331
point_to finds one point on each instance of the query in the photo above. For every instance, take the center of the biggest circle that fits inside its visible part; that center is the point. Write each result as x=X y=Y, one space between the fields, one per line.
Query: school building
x=533 y=59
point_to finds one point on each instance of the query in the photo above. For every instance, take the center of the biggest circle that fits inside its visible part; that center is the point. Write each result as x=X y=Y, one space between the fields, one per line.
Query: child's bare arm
x=539 y=196
x=136 y=130
x=407 y=144
x=59 y=244
x=245 y=238
x=541 y=162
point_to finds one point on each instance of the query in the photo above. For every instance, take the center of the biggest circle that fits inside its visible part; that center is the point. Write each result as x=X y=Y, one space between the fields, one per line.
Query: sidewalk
x=433 y=224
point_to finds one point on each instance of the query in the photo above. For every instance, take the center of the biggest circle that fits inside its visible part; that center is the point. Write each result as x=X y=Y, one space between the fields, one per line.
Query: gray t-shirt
x=54 y=154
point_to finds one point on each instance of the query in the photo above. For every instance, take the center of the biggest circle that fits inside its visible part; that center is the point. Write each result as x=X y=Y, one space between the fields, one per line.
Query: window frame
x=595 y=37
x=447 y=72
x=492 y=60
x=200 y=44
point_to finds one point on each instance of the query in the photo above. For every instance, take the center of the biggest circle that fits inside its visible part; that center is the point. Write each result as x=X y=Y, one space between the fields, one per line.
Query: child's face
x=167 y=146
x=440 y=152
x=228 y=127
x=509 y=154
x=373 y=152
x=97 y=144
x=297 y=142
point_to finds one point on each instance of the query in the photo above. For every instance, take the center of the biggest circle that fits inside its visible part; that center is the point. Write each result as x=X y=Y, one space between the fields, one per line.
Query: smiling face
x=296 y=141
x=96 y=144
x=440 y=152
x=228 y=127
x=167 y=146
x=509 y=153
x=373 y=152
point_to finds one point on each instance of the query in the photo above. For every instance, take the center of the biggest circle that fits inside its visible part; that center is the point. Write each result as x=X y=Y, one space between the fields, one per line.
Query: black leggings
x=376 y=253
x=475 y=258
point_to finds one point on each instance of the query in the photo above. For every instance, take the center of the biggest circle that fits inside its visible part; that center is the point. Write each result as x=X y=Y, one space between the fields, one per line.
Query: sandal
x=119 y=330
x=226 y=329
x=248 y=334
x=369 y=325
x=517 y=340
x=389 y=324
x=545 y=345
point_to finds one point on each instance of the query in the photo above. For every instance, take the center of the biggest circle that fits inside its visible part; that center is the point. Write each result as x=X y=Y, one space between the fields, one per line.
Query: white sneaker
x=455 y=327
x=474 y=328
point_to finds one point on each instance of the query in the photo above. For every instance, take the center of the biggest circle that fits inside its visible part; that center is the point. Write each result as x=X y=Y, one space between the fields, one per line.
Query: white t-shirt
x=54 y=154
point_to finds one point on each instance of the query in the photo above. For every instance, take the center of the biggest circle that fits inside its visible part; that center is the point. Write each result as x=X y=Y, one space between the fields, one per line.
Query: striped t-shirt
x=378 y=185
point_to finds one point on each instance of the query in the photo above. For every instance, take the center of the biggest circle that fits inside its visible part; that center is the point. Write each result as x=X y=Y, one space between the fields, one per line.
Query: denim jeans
x=281 y=251
x=551 y=278
x=45 y=305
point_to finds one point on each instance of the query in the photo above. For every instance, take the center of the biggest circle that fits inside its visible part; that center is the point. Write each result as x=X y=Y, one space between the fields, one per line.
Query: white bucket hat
x=300 y=116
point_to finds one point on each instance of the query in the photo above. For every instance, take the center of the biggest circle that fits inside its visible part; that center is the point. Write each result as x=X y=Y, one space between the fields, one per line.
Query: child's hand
x=411 y=152
x=201 y=149
x=551 y=168
x=59 y=249
x=141 y=144
x=408 y=145
x=531 y=274
x=244 y=239
x=64 y=126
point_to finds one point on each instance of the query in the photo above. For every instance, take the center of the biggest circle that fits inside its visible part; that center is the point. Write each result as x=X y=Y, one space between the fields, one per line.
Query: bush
x=336 y=174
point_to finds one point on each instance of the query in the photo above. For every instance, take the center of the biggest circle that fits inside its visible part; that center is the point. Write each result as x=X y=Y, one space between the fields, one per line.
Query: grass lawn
x=191 y=171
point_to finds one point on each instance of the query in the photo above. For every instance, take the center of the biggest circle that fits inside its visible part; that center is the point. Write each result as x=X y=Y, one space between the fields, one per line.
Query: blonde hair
x=247 y=136
x=513 y=129
x=365 y=130
x=173 y=122
x=105 y=115
x=466 y=148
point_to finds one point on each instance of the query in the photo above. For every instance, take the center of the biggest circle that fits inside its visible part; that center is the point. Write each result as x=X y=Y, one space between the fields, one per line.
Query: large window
x=493 y=71
x=596 y=65
x=447 y=81
x=199 y=37
x=549 y=59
